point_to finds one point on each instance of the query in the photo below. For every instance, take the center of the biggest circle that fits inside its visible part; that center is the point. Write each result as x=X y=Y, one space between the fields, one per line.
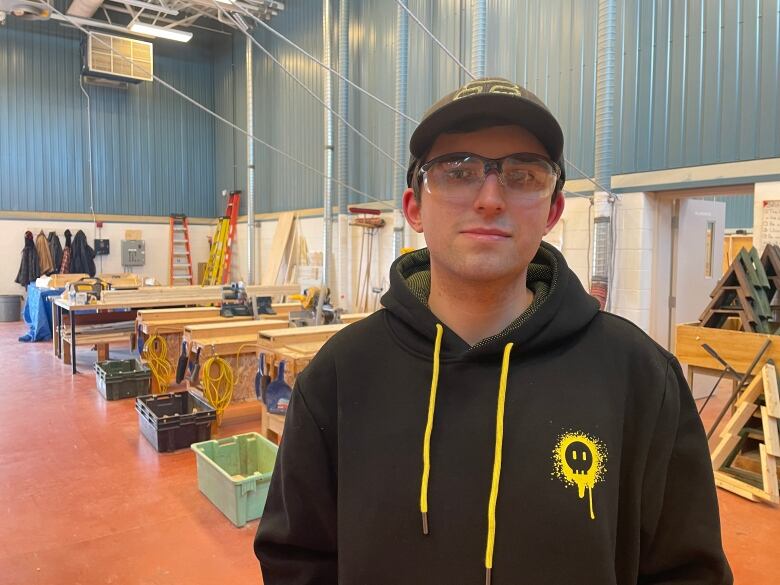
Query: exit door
x=698 y=263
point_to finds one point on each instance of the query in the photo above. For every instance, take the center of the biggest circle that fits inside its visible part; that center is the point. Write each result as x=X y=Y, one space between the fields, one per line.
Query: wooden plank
x=178 y=325
x=228 y=327
x=724 y=448
x=769 y=475
x=734 y=488
x=301 y=334
x=278 y=247
x=738 y=348
x=771 y=433
x=152 y=315
x=771 y=394
x=753 y=390
x=348 y=318
x=739 y=418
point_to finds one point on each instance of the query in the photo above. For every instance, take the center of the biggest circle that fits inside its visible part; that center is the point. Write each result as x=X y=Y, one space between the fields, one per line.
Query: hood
x=560 y=308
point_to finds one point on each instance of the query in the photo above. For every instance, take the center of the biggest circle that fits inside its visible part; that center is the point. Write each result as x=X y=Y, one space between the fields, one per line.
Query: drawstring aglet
x=488 y=576
x=425 y=523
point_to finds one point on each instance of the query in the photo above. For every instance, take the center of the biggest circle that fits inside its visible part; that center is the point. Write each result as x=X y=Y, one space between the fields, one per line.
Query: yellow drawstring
x=429 y=430
x=491 y=537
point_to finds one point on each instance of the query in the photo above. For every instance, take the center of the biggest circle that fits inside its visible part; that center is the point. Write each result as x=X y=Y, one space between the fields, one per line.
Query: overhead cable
x=435 y=39
x=307 y=89
x=333 y=71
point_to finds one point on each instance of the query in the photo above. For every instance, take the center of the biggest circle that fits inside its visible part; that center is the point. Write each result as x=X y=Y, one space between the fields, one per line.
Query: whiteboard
x=770 y=223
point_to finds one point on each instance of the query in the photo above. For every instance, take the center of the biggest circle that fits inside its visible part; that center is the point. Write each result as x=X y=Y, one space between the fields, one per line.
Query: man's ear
x=413 y=211
x=556 y=210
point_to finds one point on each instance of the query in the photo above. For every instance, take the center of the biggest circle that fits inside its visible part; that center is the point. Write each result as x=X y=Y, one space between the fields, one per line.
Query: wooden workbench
x=147 y=297
x=278 y=338
x=236 y=343
x=738 y=348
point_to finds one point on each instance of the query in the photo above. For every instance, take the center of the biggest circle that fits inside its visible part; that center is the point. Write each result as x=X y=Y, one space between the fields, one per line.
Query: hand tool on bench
x=181 y=365
x=277 y=395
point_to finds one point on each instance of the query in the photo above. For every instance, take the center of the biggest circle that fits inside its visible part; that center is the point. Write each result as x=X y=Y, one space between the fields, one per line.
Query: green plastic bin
x=235 y=473
x=118 y=379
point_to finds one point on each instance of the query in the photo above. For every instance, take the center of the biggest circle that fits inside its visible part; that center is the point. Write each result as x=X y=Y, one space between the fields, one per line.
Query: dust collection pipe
x=250 y=168
x=605 y=99
x=327 y=189
x=401 y=95
x=343 y=252
x=605 y=91
x=478 y=36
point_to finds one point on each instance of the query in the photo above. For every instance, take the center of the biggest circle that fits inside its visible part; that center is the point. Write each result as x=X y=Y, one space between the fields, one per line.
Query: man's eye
x=458 y=173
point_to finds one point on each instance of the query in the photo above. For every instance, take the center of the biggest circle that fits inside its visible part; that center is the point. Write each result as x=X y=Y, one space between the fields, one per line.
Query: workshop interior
x=197 y=195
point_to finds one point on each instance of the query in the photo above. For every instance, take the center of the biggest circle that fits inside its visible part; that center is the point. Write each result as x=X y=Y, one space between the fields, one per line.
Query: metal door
x=698 y=263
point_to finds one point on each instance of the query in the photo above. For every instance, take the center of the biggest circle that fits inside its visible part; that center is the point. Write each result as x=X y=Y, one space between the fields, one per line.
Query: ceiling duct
x=84 y=8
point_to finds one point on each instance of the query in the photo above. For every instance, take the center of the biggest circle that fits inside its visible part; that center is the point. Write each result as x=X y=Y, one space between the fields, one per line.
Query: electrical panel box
x=101 y=247
x=133 y=252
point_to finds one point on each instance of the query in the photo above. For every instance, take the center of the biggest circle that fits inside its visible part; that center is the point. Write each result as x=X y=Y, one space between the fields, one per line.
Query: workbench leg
x=73 y=341
x=59 y=330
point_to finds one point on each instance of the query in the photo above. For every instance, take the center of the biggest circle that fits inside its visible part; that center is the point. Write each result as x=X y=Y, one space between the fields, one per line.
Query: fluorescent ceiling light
x=158 y=31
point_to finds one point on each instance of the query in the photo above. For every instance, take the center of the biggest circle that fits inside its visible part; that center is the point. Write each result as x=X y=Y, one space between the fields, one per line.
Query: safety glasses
x=525 y=177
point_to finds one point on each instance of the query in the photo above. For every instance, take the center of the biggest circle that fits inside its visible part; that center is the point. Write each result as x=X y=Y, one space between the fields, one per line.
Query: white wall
x=156 y=237
x=631 y=287
x=635 y=220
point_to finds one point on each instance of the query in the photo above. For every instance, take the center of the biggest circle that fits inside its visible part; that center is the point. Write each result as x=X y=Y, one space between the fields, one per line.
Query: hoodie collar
x=560 y=308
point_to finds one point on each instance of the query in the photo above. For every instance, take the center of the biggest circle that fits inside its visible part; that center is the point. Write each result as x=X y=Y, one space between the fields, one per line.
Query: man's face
x=455 y=231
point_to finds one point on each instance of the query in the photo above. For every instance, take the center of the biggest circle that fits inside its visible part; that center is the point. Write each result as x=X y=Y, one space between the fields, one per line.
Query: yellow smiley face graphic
x=579 y=460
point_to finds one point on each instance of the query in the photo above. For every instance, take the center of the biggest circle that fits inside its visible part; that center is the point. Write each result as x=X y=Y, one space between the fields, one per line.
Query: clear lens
x=524 y=177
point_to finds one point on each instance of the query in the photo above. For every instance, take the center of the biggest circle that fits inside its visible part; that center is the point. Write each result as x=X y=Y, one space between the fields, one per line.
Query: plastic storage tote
x=235 y=472
x=117 y=379
x=175 y=420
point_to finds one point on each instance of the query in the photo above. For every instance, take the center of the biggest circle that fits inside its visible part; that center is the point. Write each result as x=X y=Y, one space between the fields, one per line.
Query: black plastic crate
x=117 y=379
x=175 y=420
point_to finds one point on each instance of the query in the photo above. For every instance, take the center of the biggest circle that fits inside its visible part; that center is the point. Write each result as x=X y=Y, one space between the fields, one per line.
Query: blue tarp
x=37 y=312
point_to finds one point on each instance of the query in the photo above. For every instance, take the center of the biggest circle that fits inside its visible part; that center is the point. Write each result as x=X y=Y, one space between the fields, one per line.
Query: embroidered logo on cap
x=489 y=86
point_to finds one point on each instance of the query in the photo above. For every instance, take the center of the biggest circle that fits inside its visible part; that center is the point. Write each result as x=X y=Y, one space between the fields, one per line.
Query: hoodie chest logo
x=579 y=460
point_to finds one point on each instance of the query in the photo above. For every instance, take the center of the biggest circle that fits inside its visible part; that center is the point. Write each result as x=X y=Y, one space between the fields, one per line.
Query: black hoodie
x=567 y=449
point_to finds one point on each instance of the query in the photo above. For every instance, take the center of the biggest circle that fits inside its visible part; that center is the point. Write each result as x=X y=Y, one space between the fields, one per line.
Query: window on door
x=708 y=249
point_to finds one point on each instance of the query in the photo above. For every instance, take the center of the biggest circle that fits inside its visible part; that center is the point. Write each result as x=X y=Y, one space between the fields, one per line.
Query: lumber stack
x=754 y=426
x=744 y=292
x=189 y=295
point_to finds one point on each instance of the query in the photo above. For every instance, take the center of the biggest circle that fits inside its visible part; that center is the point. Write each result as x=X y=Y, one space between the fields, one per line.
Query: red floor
x=87 y=500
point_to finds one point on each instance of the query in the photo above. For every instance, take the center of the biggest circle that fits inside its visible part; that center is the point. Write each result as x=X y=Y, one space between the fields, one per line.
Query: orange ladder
x=180 y=256
x=232 y=213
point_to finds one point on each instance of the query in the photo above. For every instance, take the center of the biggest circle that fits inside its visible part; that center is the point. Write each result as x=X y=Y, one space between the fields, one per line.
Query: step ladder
x=234 y=200
x=180 y=273
x=218 y=265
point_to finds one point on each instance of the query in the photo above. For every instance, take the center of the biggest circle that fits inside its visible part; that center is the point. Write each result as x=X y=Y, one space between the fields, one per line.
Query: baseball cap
x=493 y=98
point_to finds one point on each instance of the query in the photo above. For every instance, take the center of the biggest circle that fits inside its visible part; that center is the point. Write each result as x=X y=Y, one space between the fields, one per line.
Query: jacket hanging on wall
x=82 y=255
x=66 y=254
x=55 y=248
x=44 y=255
x=28 y=269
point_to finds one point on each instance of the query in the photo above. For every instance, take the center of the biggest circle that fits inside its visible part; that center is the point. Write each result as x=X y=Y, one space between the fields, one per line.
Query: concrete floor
x=86 y=500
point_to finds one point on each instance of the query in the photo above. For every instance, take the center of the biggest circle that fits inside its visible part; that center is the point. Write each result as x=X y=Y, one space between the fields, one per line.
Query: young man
x=490 y=424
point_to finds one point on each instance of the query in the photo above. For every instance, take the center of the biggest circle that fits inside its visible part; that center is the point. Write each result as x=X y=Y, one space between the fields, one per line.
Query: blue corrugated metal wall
x=699 y=82
x=739 y=210
x=153 y=154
